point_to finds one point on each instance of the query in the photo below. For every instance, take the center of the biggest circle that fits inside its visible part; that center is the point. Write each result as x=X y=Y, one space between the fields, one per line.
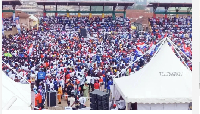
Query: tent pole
x=9 y=104
x=159 y=47
x=16 y=72
x=126 y=106
x=114 y=92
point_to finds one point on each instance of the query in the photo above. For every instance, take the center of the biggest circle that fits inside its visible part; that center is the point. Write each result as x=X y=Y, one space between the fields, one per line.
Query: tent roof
x=84 y=3
x=18 y=13
x=12 y=89
x=33 y=17
x=148 y=86
x=169 y=4
x=11 y=2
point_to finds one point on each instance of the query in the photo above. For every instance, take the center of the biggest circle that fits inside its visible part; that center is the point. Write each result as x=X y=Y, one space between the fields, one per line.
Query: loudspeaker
x=51 y=98
x=99 y=100
x=83 y=32
x=133 y=106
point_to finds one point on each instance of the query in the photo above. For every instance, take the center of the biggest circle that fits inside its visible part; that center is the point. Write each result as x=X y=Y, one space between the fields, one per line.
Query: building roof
x=11 y=2
x=18 y=13
x=169 y=4
x=139 y=16
x=81 y=3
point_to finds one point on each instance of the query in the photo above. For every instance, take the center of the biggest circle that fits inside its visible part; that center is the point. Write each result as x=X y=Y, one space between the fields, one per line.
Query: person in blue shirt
x=55 y=85
x=110 y=82
x=42 y=91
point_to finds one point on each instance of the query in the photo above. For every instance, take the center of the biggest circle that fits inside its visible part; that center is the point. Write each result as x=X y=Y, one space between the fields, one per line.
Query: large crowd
x=75 y=65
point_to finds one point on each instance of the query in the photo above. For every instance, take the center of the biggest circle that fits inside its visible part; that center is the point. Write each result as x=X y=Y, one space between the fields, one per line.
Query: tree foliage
x=137 y=7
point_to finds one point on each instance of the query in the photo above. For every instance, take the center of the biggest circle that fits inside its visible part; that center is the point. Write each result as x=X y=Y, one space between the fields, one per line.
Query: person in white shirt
x=82 y=101
x=62 y=83
x=92 y=83
x=51 y=85
x=71 y=102
x=121 y=105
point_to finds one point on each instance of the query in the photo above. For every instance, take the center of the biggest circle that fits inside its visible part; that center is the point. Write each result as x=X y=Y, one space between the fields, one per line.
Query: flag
x=152 y=48
x=187 y=49
x=138 y=52
x=173 y=48
x=2 y=25
x=30 y=50
x=17 y=24
x=165 y=35
x=141 y=45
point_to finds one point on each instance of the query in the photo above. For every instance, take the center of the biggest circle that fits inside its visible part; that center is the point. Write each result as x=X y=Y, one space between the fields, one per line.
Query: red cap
x=114 y=105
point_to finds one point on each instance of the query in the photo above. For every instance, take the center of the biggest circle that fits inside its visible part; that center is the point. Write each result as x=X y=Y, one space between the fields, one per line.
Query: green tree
x=140 y=7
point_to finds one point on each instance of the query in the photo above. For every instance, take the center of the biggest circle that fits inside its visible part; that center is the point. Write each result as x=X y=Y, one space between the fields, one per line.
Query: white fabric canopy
x=33 y=17
x=174 y=106
x=150 y=86
x=15 y=96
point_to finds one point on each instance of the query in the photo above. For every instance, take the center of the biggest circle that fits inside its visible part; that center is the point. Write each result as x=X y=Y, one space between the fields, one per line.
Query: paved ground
x=63 y=105
x=59 y=106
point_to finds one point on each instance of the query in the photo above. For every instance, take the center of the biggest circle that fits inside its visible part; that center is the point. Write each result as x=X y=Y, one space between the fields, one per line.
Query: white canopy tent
x=33 y=17
x=164 y=83
x=15 y=96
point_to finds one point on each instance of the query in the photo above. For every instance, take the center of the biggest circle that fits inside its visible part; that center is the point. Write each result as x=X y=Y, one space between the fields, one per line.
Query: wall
x=13 y=32
x=24 y=21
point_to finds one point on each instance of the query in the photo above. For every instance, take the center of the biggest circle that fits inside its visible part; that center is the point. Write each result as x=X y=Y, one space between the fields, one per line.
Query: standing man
x=92 y=83
x=121 y=105
x=96 y=85
x=39 y=100
x=51 y=86
x=36 y=99
x=110 y=82
x=69 y=88
x=55 y=85
x=43 y=96
x=71 y=101
x=59 y=93
x=82 y=101
x=101 y=83
x=85 y=90
x=82 y=84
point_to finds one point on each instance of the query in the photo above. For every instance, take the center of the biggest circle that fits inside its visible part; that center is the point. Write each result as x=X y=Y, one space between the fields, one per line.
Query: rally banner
x=2 y=27
x=18 y=24
x=30 y=50
x=14 y=16
x=41 y=75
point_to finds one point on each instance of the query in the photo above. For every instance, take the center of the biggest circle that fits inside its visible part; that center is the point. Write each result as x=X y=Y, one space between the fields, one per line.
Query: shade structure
x=7 y=54
x=155 y=82
x=33 y=18
x=133 y=27
x=15 y=96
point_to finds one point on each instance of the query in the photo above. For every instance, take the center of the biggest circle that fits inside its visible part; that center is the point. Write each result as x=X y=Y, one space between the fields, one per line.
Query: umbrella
x=63 y=42
x=14 y=45
x=99 y=74
x=84 y=64
x=7 y=55
x=21 y=55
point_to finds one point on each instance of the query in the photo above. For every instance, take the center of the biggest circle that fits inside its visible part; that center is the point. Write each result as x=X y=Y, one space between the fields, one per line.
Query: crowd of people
x=8 y=24
x=179 y=30
x=75 y=64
